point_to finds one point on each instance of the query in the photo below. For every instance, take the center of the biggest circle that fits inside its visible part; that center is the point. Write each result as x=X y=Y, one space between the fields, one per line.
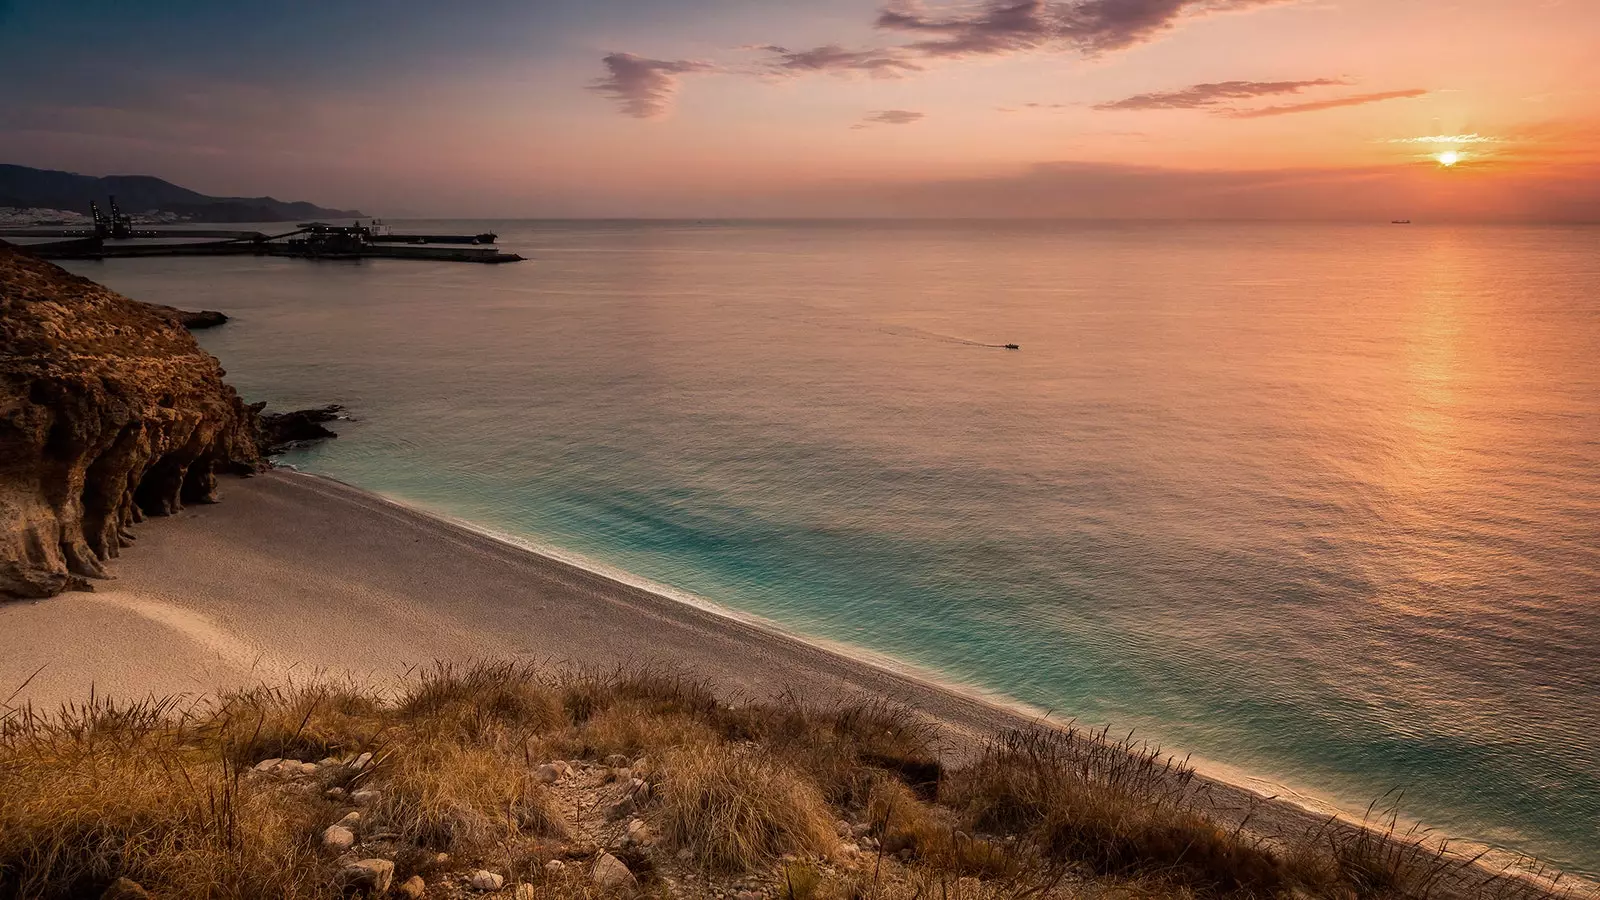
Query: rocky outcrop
x=194 y=321
x=109 y=412
x=284 y=431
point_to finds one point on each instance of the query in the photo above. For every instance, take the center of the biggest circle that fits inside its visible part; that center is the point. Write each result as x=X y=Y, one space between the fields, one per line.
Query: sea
x=1320 y=503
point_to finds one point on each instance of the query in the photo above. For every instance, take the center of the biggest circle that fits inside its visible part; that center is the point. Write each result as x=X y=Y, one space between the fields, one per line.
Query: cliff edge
x=109 y=412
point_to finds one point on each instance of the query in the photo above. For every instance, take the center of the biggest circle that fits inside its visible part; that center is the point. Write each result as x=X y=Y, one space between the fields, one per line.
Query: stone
x=362 y=798
x=620 y=808
x=617 y=761
x=308 y=768
x=412 y=888
x=547 y=774
x=338 y=838
x=361 y=762
x=685 y=854
x=283 y=431
x=125 y=889
x=194 y=321
x=289 y=768
x=749 y=895
x=639 y=833
x=112 y=413
x=842 y=828
x=370 y=876
x=351 y=819
x=554 y=866
x=610 y=872
x=487 y=881
x=267 y=765
x=623 y=774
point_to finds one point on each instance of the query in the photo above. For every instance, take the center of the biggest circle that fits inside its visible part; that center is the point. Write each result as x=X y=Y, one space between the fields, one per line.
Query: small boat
x=1401 y=222
x=1013 y=347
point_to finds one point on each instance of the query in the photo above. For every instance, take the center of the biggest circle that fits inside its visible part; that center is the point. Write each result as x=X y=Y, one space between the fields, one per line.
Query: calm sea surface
x=1320 y=502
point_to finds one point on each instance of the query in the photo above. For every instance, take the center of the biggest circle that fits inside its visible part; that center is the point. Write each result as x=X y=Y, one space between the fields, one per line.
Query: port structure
x=114 y=236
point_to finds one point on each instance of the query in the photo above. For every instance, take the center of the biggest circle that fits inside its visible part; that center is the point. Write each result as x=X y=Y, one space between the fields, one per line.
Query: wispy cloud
x=888 y=63
x=1009 y=26
x=1214 y=94
x=890 y=117
x=643 y=87
x=1318 y=106
x=1449 y=139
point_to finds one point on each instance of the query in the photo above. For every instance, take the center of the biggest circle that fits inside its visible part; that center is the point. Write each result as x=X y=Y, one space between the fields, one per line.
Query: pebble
x=125 y=889
x=338 y=838
x=547 y=774
x=639 y=833
x=610 y=872
x=364 y=797
x=351 y=819
x=267 y=765
x=370 y=875
x=485 y=880
x=413 y=888
x=554 y=865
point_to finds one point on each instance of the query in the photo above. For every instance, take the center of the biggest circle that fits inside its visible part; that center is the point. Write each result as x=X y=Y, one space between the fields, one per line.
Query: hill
x=27 y=188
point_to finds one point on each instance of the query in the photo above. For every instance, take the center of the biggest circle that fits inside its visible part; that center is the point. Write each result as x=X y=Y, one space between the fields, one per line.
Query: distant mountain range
x=26 y=188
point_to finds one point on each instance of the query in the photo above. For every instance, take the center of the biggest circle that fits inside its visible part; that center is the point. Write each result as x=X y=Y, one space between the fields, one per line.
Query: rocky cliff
x=109 y=412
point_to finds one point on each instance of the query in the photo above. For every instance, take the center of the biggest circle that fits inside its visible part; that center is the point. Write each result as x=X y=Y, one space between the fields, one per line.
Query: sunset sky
x=1083 y=108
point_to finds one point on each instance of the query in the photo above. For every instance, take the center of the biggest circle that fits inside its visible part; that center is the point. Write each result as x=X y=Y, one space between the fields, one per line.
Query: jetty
x=114 y=236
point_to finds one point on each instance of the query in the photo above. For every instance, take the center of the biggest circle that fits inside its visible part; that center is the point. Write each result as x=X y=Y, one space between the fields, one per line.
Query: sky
x=1276 y=109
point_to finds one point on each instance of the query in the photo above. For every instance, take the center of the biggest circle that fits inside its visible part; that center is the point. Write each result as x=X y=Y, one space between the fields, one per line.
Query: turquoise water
x=1321 y=502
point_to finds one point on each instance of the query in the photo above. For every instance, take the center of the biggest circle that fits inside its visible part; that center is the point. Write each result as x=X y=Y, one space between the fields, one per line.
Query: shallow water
x=1319 y=501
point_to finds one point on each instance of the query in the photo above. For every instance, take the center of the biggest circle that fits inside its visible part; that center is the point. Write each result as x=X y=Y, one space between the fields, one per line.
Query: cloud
x=1205 y=95
x=1318 y=106
x=1450 y=139
x=644 y=88
x=1008 y=26
x=890 y=117
x=834 y=58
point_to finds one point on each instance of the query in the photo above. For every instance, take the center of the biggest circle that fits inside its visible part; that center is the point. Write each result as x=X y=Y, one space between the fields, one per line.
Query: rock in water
x=281 y=431
x=194 y=321
x=109 y=412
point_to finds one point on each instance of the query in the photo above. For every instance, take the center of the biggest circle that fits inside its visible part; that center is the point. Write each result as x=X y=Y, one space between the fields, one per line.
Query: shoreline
x=219 y=596
x=1265 y=789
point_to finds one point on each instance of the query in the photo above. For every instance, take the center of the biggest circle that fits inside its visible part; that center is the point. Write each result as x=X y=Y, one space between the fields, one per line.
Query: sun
x=1448 y=158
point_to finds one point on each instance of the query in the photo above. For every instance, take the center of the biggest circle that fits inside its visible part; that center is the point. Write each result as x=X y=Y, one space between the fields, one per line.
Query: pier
x=114 y=236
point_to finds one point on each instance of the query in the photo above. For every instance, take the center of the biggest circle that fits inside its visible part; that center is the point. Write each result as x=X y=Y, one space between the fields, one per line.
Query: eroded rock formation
x=109 y=412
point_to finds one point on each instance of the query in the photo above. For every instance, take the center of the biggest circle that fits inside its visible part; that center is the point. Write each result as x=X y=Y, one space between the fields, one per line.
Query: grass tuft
x=734 y=809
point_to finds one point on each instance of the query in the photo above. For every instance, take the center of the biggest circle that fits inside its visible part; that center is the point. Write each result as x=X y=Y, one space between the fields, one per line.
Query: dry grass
x=446 y=796
x=111 y=790
x=735 y=810
x=1114 y=808
x=164 y=794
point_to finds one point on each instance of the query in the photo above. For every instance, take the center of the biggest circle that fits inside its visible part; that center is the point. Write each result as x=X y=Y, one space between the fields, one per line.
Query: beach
x=297 y=577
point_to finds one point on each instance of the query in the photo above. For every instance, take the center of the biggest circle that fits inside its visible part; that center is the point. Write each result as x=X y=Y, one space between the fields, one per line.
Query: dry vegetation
x=633 y=784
